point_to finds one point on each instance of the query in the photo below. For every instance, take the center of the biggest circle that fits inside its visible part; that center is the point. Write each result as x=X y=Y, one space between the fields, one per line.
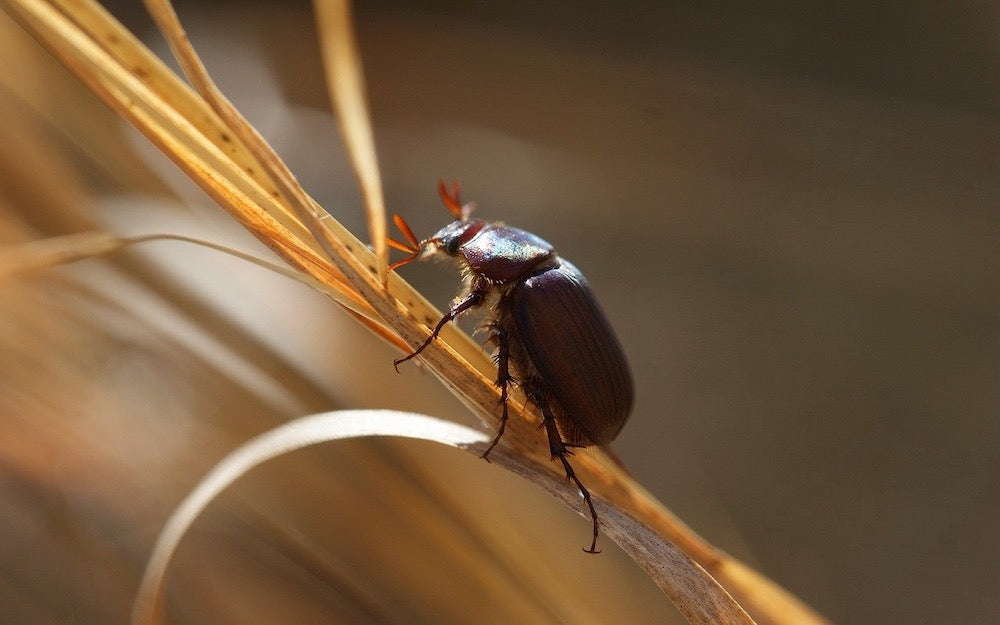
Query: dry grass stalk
x=208 y=139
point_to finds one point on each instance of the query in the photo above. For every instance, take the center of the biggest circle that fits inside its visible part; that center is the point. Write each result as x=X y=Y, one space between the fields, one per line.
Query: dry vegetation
x=116 y=375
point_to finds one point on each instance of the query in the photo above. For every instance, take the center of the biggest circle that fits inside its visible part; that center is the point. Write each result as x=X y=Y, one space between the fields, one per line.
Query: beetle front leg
x=558 y=449
x=472 y=300
x=503 y=381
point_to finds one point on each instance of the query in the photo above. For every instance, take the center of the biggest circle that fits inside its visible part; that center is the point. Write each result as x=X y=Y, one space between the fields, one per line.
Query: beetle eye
x=452 y=237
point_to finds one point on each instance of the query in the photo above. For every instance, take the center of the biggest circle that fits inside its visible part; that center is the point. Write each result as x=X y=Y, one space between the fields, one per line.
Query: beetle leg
x=503 y=381
x=473 y=299
x=559 y=450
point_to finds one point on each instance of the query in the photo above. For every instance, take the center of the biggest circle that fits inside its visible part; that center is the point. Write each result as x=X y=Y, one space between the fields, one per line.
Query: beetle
x=552 y=338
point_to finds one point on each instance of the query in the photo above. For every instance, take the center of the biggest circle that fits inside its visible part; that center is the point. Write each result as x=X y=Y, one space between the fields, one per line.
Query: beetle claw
x=499 y=434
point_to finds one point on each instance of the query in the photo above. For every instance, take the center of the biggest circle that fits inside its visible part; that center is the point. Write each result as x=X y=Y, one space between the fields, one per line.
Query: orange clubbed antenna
x=452 y=199
x=412 y=245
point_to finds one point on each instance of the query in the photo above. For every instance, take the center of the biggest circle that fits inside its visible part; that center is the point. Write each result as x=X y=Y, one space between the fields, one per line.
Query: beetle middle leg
x=559 y=449
x=504 y=381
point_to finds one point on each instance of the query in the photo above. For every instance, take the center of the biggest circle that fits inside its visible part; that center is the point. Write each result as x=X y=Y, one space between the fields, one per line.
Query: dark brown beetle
x=552 y=337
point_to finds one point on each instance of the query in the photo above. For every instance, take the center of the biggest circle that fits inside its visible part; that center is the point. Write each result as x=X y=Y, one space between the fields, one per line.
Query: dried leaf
x=289 y=437
x=347 y=92
x=698 y=597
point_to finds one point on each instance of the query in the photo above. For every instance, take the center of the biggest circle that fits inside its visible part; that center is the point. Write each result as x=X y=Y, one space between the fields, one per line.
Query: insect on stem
x=550 y=331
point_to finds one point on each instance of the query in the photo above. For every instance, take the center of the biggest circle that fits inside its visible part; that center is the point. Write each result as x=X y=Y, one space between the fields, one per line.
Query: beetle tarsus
x=499 y=435
x=559 y=450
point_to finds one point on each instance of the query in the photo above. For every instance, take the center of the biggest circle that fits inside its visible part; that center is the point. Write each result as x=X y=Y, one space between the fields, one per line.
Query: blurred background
x=790 y=213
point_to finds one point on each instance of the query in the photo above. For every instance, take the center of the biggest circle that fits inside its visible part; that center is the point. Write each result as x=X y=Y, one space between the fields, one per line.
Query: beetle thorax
x=494 y=252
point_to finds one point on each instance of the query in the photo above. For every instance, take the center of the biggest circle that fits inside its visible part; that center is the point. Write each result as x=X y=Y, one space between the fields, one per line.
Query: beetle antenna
x=412 y=245
x=406 y=261
x=452 y=199
x=407 y=232
x=397 y=245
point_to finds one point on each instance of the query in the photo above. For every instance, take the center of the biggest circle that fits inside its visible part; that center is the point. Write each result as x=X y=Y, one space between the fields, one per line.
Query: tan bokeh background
x=790 y=214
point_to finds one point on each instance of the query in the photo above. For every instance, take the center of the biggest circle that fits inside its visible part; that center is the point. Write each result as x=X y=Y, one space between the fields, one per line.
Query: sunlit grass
x=205 y=136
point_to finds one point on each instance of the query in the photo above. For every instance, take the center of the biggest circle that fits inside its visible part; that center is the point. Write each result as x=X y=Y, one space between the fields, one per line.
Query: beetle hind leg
x=559 y=449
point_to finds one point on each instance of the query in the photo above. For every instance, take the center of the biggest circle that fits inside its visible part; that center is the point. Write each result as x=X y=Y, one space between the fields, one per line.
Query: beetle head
x=446 y=240
x=452 y=236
